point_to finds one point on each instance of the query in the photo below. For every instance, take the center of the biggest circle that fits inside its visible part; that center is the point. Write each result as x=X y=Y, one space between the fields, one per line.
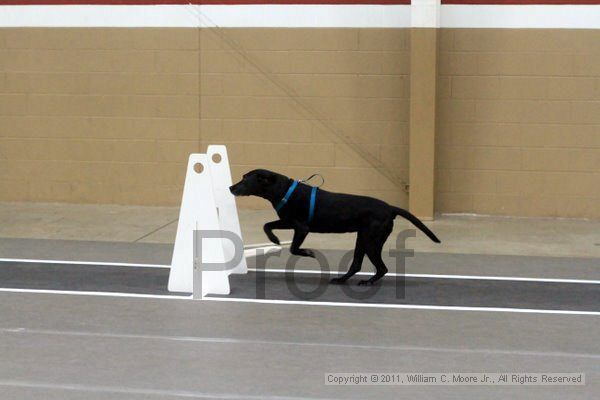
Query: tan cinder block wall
x=110 y=115
x=281 y=98
x=97 y=115
x=518 y=122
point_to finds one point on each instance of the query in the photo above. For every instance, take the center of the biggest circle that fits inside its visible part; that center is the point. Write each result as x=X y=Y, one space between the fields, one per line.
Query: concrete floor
x=76 y=346
x=459 y=234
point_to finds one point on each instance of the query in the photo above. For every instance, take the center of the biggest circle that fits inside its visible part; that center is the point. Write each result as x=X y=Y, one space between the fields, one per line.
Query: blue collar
x=288 y=194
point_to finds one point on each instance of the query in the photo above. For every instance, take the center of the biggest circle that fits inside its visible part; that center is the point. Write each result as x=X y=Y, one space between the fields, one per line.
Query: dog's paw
x=365 y=282
x=303 y=253
x=307 y=253
x=337 y=281
x=273 y=239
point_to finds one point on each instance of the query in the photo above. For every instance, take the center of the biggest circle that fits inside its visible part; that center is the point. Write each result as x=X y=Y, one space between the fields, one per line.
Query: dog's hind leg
x=373 y=248
x=300 y=233
x=359 y=255
x=381 y=269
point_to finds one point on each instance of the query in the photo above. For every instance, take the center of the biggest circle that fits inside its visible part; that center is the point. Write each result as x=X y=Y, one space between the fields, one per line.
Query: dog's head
x=260 y=182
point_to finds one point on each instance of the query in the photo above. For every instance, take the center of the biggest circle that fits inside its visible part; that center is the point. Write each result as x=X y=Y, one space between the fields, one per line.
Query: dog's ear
x=266 y=179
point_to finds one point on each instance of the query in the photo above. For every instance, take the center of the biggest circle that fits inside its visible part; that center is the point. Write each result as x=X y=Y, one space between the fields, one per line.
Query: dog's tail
x=416 y=222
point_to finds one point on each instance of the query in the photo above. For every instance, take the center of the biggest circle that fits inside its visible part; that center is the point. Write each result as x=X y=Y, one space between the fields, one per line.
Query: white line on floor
x=268 y=244
x=434 y=276
x=69 y=262
x=242 y=341
x=404 y=306
x=248 y=252
x=252 y=252
x=306 y=303
x=101 y=294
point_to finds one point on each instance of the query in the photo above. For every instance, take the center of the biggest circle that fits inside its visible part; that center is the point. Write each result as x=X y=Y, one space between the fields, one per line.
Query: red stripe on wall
x=523 y=2
x=299 y=2
x=199 y=2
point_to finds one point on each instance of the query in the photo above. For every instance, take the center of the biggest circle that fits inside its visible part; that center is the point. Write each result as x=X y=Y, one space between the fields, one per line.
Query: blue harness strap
x=287 y=196
x=313 y=198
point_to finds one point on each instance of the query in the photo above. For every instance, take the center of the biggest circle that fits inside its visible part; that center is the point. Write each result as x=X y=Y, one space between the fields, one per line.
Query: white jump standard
x=207 y=209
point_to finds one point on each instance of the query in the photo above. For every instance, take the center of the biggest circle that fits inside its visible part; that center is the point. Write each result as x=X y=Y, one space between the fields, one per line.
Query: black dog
x=333 y=213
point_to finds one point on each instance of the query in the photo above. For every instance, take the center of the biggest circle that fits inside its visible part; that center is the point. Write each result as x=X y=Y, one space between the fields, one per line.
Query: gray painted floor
x=295 y=286
x=419 y=291
x=84 y=347
x=95 y=278
x=69 y=346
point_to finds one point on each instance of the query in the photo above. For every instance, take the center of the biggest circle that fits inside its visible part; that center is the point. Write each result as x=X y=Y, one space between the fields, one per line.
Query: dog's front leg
x=300 y=233
x=279 y=224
